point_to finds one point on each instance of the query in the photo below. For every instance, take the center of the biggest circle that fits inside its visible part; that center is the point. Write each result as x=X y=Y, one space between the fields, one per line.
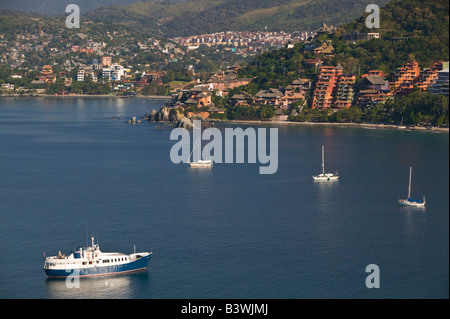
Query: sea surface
x=71 y=164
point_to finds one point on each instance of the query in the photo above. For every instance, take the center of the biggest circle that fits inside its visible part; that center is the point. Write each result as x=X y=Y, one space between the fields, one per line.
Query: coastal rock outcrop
x=174 y=116
x=185 y=123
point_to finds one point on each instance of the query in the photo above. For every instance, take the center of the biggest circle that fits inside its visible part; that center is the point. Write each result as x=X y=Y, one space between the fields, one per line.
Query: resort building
x=333 y=88
x=345 y=91
x=270 y=96
x=440 y=85
x=404 y=79
x=373 y=88
x=428 y=76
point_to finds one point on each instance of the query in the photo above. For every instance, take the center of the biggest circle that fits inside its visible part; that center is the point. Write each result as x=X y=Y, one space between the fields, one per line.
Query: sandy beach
x=361 y=125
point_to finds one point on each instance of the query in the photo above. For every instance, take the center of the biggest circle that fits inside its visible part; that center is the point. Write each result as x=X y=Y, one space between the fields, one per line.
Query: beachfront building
x=115 y=73
x=271 y=96
x=333 y=88
x=345 y=91
x=373 y=88
x=46 y=75
x=325 y=88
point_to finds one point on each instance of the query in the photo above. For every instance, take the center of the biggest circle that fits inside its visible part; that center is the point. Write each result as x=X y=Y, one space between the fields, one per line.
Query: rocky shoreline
x=172 y=116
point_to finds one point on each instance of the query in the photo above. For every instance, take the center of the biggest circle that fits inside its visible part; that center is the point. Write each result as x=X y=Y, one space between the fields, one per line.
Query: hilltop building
x=324 y=29
x=357 y=36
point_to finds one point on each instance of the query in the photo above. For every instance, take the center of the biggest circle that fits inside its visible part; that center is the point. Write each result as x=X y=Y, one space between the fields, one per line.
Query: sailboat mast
x=190 y=155
x=323 y=160
x=409 y=185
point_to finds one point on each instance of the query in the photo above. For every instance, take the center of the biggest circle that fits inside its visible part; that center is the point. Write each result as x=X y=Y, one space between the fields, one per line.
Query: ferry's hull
x=137 y=265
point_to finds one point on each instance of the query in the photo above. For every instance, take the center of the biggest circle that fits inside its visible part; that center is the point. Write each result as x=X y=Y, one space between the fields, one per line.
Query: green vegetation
x=424 y=26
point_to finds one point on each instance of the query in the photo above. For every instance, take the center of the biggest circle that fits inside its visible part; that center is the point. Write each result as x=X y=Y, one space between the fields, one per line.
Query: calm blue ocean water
x=225 y=232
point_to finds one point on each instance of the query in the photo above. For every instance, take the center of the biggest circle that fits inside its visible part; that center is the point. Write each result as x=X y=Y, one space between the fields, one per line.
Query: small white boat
x=409 y=201
x=200 y=162
x=325 y=176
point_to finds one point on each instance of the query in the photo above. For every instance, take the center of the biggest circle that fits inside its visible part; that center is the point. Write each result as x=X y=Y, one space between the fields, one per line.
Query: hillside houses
x=282 y=98
x=222 y=81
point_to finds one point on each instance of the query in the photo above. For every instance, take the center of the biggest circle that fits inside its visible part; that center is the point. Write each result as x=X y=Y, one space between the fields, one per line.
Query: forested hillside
x=208 y=16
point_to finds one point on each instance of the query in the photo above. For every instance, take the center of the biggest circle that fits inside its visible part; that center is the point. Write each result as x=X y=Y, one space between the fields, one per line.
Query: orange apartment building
x=410 y=76
x=333 y=88
x=326 y=86
x=428 y=76
x=47 y=74
x=404 y=79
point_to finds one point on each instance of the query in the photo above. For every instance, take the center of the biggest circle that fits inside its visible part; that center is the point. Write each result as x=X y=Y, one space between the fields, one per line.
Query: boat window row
x=115 y=259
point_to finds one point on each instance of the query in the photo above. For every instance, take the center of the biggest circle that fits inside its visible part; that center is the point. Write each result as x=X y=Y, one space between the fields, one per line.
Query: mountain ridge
x=208 y=16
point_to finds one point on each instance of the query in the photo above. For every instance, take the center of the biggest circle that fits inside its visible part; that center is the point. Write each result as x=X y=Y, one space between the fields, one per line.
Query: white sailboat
x=409 y=201
x=325 y=176
x=200 y=162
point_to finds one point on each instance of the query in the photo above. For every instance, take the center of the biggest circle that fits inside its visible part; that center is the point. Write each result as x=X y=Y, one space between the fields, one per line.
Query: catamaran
x=409 y=201
x=325 y=176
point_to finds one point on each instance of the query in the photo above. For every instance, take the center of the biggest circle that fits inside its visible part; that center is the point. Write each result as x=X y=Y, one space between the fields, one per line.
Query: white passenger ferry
x=90 y=261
